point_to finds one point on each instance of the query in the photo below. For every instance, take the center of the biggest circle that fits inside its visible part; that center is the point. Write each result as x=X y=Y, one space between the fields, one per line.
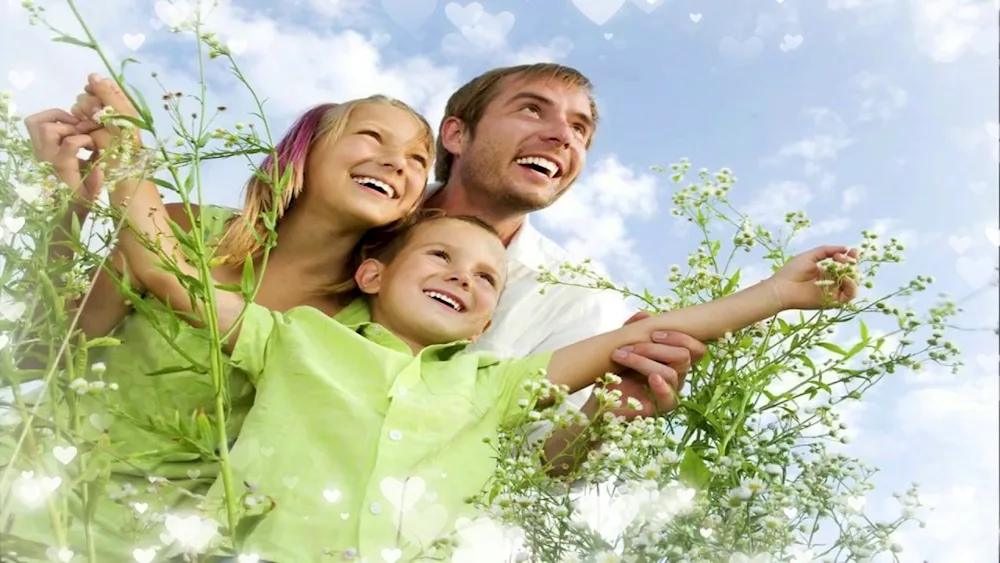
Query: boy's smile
x=442 y=286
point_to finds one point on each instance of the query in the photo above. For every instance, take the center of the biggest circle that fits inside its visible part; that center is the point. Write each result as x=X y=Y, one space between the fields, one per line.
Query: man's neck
x=314 y=251
x=454 y=199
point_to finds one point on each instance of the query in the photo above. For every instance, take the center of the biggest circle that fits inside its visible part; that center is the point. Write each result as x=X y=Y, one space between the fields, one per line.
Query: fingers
x=637 y=317
x=823 y=252
x=49 y=116
x=649 y=358
x=696 y=349
x=86 y=106
x=109 y=94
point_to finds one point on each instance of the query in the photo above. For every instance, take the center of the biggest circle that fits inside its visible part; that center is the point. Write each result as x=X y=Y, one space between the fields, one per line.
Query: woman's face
x=375 y=172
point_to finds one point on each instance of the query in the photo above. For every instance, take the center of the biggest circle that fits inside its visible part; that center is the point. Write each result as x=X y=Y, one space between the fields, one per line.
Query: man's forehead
x=552 y=88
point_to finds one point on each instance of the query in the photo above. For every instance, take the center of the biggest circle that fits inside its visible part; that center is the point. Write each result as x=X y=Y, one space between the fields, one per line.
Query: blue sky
x=880 y=118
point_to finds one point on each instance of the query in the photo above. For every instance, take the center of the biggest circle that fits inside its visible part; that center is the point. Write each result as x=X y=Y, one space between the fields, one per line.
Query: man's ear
x=368 y=277
x=453 y=135
x=476 y=336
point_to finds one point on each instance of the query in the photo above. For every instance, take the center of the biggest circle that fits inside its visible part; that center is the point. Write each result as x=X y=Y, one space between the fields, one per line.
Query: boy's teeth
x=444 y=298
x=550 y=167
x=376 y=184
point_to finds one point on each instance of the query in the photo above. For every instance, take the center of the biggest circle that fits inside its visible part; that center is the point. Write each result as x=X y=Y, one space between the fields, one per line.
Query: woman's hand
x=57 y=137
x=803 y=283
x=98 y=94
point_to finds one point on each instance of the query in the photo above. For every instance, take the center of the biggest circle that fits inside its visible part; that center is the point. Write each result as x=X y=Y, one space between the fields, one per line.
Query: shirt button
x=376 y=508
x=395 y=435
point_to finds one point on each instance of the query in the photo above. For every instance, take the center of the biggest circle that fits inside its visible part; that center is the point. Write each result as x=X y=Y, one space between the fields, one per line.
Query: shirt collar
x=357 y=317
x=525 y=248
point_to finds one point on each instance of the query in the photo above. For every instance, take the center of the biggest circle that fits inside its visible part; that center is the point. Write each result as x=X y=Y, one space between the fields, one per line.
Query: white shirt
x=527 y=322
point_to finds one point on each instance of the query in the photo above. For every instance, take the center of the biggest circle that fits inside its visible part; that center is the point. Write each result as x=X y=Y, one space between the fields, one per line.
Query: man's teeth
x=377 y=185
x=444 y=299
x=550 y=168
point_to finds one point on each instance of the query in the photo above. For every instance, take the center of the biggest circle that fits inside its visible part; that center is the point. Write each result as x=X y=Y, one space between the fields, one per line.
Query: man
x=513 y=141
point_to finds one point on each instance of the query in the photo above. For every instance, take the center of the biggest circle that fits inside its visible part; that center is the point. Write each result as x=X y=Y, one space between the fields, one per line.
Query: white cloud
x=878 y=97
x=852 y=196
x=887 y=228
x=827 y=138
x=592 y=219
x=947 y=29
x=772 y=203
x=825 y=227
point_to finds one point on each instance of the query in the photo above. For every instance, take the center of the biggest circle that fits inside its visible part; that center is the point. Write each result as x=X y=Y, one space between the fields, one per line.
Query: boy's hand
x=803 y=283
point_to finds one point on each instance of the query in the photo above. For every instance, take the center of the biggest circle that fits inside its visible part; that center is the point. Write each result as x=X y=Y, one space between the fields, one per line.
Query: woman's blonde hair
x=240 y=240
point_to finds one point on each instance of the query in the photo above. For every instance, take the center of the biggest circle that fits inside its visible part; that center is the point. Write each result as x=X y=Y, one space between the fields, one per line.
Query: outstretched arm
x=801 y=284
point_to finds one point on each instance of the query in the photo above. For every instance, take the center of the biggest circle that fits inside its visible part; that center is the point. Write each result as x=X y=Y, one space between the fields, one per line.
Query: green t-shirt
x=348 y=426
x=138 y=452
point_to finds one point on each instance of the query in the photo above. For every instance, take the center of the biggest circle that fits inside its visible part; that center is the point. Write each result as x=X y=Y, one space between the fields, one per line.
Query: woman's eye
x=440 y=254
x=421 y=159
x=373 y=134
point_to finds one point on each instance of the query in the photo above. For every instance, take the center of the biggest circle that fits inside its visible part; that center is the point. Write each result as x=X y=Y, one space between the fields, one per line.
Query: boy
x=401 y=413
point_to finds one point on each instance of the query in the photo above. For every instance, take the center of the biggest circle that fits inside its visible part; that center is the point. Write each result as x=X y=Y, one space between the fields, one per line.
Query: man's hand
x=655 y=372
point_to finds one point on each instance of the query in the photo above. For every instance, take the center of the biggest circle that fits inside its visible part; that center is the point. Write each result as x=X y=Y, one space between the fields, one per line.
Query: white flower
x=98 y=368
x=79 y=385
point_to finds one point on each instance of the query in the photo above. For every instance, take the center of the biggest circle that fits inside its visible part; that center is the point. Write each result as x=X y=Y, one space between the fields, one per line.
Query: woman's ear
x=369 y=276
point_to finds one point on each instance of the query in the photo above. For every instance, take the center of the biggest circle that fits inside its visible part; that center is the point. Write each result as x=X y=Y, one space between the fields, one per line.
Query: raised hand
x=57 y=137
x=803 y=283
x=98 y=94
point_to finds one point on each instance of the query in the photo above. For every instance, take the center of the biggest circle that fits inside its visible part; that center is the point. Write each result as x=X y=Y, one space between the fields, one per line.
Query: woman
x=321 y=218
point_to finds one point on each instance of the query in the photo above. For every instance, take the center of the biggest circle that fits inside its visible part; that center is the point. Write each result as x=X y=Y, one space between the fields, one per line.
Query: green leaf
x=693 y=470
x=733 y=282
x=230 y=287
x=171 y=369
x=832 y=347
x=102 y=341
x=864 y=331
x=245 y=527
x=73 y=41
x=125 y=61
x=249 y=278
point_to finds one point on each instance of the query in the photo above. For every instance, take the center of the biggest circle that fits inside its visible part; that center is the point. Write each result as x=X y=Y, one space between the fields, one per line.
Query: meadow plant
x=745 y=470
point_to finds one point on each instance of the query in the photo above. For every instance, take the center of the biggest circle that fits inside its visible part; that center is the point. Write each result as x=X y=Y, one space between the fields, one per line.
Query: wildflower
x=79 y=385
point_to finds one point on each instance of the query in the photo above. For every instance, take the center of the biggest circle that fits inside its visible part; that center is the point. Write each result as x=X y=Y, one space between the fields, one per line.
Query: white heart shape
x=695 y=17
x=21 y=80
x=705 y=532
x=402 y=495
x=959 y=244
x=331 y=496
x=133 y=41
x=344 y=515
x=143 y=555
x=290 y=482
x=252 y=558
x=140 y=507
x=84 y=154
x=193 y=473
x=236 y=46
x=100 y=421
x=13 y=224
x=608 y=36
x=856 y=503
x=4 y=340
x=790 y=512
x=64 y=455
x=391 y=555
x=993 y=234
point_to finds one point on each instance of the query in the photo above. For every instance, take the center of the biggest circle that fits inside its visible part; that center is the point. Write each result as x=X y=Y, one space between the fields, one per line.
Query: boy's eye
x=440 y=254
x=420 y=158
x=489 y=279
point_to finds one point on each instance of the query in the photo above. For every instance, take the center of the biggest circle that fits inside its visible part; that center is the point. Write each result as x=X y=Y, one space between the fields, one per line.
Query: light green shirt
x=348 y=426
x=137 y=452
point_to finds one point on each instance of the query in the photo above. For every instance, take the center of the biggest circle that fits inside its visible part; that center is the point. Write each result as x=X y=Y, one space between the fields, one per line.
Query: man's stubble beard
x=485 y=174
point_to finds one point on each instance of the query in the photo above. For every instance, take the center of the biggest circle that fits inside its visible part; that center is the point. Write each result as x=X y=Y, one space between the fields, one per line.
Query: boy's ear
x=480 y=333
x=369 y=276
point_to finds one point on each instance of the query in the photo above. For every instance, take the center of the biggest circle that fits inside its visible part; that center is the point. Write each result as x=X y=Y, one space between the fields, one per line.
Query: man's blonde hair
x=469 y=102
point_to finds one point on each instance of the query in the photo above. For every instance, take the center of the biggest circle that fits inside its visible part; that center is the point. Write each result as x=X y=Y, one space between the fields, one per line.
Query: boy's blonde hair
x=240 y=239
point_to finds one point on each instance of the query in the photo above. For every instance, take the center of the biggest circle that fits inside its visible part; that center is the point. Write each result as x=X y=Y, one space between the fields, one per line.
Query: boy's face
x=442 y=286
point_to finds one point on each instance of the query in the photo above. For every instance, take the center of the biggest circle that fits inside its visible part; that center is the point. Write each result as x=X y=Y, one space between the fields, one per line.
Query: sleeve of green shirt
x=252 y=345
x=512 y=375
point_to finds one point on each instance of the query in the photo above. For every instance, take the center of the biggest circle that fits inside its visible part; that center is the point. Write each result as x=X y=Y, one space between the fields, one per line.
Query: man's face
x=529 y=146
